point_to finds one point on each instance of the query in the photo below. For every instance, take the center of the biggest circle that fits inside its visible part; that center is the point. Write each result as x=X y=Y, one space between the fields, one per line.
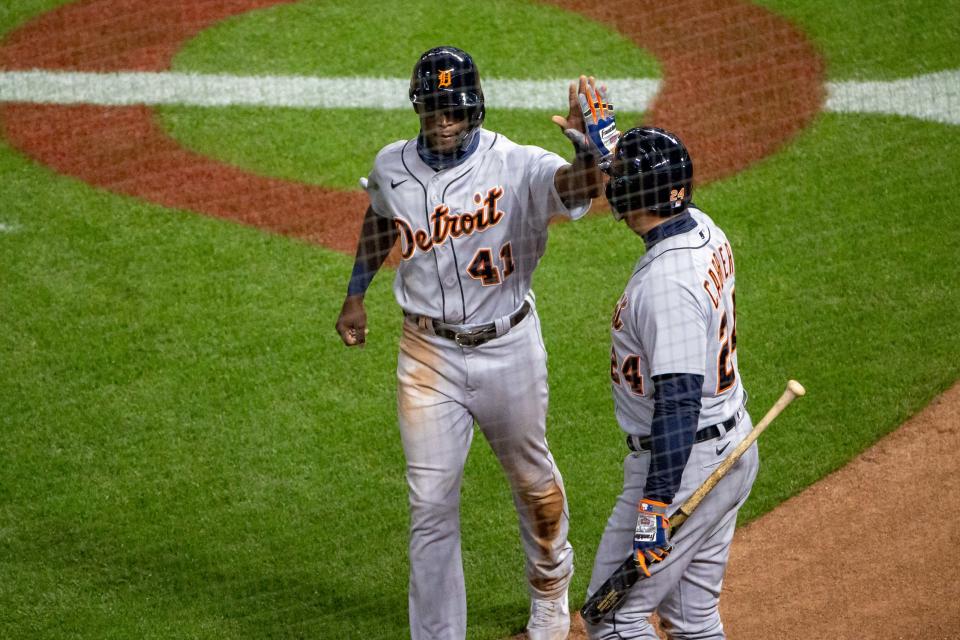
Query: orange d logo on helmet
x=445 y=78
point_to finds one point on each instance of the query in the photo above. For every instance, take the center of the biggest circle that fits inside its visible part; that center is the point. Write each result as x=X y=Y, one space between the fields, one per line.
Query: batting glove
x=600 y=124
x=650 y=539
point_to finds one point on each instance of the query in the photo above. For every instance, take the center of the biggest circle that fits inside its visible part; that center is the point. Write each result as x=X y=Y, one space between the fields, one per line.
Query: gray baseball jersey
x=470 y=238
x=677 y=315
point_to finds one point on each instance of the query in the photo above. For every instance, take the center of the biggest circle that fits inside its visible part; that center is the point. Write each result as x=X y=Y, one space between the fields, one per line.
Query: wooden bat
x=611 y=594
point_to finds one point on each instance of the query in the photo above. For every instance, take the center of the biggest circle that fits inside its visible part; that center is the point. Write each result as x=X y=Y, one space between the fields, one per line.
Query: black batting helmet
x=652 y=170
x=447 y=78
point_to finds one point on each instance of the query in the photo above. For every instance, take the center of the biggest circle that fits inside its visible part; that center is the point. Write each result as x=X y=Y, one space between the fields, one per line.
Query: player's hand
x=352 y=323
x=591 y=123
x=651 y=537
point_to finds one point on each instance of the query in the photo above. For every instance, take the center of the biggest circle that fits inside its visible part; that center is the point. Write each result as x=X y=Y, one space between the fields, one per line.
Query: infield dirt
x=872 y=551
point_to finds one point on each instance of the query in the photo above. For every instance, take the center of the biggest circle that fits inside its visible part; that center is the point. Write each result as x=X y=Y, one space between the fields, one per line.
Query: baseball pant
x=685 y=588
x=442 y=389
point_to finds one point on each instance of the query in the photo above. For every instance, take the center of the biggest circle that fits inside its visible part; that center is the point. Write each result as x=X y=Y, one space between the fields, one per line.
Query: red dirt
x=122 y=149
x=739 y=83
x=871 y=551
x=734 y=67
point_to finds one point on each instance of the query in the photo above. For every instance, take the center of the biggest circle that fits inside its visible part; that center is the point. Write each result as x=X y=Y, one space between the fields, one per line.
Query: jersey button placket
x=448 y=280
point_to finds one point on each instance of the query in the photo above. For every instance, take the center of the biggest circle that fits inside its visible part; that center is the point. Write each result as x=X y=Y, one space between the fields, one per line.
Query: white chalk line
x=934 y=96
x=210 y=90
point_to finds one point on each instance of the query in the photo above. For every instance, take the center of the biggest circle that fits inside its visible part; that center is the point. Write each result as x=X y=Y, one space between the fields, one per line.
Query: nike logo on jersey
x=723 y=448
x=394 y=185
x=446 y=225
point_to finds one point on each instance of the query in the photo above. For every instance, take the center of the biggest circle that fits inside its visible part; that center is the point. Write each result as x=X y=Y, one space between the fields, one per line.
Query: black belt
x=642 y=443
x=481 y=334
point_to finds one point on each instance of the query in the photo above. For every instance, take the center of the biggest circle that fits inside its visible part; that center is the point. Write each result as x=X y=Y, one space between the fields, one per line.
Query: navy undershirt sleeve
x=676 y=410
x=377 y=237
x=360 y=279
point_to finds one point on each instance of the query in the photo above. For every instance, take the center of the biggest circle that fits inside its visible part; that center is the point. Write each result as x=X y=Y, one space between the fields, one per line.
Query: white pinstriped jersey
x=471 y=235
x=677 y=315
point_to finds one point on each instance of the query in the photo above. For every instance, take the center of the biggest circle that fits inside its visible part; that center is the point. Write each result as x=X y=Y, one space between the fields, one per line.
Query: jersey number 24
x=629 y=369
x=726 y=374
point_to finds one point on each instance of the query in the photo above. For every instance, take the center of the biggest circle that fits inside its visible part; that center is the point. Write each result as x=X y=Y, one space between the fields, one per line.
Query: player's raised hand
x=574 y=118
x=591 y=123
x=352 y=323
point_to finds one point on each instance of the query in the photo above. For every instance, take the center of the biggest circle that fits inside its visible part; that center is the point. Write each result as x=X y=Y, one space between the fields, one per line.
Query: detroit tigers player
x=677 y=394
x=470 y=209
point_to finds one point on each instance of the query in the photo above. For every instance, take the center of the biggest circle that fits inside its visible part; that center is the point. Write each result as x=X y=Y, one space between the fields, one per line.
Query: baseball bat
x=613 y=591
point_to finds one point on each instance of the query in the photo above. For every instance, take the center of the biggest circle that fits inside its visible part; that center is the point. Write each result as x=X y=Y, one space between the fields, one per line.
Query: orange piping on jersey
x=406 y=238
x=721 y=270
x=717 y=286
x=467 y=225
x=487 y=280
x=630 y=371
x=506 y=257
x=714 y=300
x=445 y=225
x=614 y=367
x=494 y=215
x=725 y=253
x=440 y=223
x=423 y=240
x=617 y=322
x=725 y=373
x=717 y=261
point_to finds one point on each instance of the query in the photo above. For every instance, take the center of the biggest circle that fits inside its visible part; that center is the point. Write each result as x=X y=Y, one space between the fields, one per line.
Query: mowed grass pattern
x=189 y=452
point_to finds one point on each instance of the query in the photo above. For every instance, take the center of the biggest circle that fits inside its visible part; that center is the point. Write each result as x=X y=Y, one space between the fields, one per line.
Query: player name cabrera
x=450 y=225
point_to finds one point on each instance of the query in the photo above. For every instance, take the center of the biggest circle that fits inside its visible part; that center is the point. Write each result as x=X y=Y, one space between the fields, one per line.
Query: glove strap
x=653 y=507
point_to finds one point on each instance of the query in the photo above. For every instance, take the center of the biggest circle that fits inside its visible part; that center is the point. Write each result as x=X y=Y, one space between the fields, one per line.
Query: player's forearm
x=677 y=399
x=377 y=237
x=579 y=182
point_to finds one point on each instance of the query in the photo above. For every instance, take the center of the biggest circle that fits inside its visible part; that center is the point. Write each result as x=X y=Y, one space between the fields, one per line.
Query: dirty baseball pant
x=442 y=389
x=684 y=589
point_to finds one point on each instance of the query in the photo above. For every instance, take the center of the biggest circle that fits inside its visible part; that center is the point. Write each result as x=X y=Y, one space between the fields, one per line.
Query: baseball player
x=469 y=209
x=677 y=394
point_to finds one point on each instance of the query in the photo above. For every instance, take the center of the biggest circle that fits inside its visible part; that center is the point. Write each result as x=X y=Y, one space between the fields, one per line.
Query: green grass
x=848 y=293
x=188 y=451
x=870 y=40
x=13 y=14
x=306 y=145
x=179 y=428
x=328 y=38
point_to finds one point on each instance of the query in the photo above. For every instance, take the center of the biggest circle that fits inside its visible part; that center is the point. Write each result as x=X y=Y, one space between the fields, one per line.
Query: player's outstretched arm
x=591 y=127
x=377 y=237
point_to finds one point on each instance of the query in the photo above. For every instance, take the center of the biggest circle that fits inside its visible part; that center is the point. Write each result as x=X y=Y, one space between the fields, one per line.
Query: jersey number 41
x=482 y=266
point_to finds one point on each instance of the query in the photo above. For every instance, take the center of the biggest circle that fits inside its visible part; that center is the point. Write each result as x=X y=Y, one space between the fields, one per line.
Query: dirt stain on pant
x=546 y=510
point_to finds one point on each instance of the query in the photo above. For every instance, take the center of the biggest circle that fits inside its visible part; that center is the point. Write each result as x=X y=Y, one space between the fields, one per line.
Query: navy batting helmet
x=652 y=170
x=447 y=78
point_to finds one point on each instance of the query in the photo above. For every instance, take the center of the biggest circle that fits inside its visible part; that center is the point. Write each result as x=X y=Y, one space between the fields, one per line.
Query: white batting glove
x=600 y=120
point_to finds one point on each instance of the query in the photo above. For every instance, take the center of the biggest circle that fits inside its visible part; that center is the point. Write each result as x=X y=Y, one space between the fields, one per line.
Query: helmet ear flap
x=615 y=192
